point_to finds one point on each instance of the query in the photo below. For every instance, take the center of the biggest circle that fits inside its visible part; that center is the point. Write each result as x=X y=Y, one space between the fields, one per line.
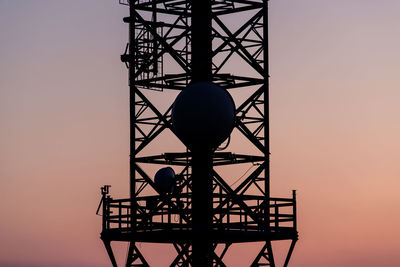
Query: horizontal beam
x=217 y=236
x=183 y=158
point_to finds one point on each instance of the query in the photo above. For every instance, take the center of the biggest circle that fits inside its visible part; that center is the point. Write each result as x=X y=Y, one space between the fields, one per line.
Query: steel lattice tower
x=174 y=43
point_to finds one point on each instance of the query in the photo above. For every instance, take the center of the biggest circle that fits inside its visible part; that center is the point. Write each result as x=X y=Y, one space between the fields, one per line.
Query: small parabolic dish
x=203 y=115
x=165 y=180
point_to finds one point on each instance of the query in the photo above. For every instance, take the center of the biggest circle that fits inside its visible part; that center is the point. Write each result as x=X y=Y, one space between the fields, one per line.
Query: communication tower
x=185 y=60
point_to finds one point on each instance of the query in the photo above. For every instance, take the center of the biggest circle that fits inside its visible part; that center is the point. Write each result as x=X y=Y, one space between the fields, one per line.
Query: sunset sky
x=335 y=129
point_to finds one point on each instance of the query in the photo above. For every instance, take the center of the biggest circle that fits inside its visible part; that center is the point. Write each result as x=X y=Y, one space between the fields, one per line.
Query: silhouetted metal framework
x=159 y=58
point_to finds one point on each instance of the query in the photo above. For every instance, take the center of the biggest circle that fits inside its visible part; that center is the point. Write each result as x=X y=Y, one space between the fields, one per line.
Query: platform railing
x=172 y=213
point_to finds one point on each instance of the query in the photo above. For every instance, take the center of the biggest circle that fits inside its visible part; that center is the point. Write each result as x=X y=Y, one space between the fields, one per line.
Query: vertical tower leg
x=290 y=252
x=201 y=28
x=202 y=209
x=135 y=258
x=110 y=252
x=265 y=257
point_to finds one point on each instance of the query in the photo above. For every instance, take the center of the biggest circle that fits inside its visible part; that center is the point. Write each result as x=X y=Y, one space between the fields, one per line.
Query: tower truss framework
x=159 y=61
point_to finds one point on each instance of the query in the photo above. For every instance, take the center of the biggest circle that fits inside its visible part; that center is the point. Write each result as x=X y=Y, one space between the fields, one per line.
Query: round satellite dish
x=164 y=180
x=203 y=115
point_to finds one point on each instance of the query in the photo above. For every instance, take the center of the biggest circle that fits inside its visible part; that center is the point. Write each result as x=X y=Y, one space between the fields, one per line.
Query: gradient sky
x=335 y=125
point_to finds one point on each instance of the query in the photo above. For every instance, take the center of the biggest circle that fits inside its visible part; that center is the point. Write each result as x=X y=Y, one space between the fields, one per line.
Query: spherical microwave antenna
x=164 y=180
x=203 y=115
